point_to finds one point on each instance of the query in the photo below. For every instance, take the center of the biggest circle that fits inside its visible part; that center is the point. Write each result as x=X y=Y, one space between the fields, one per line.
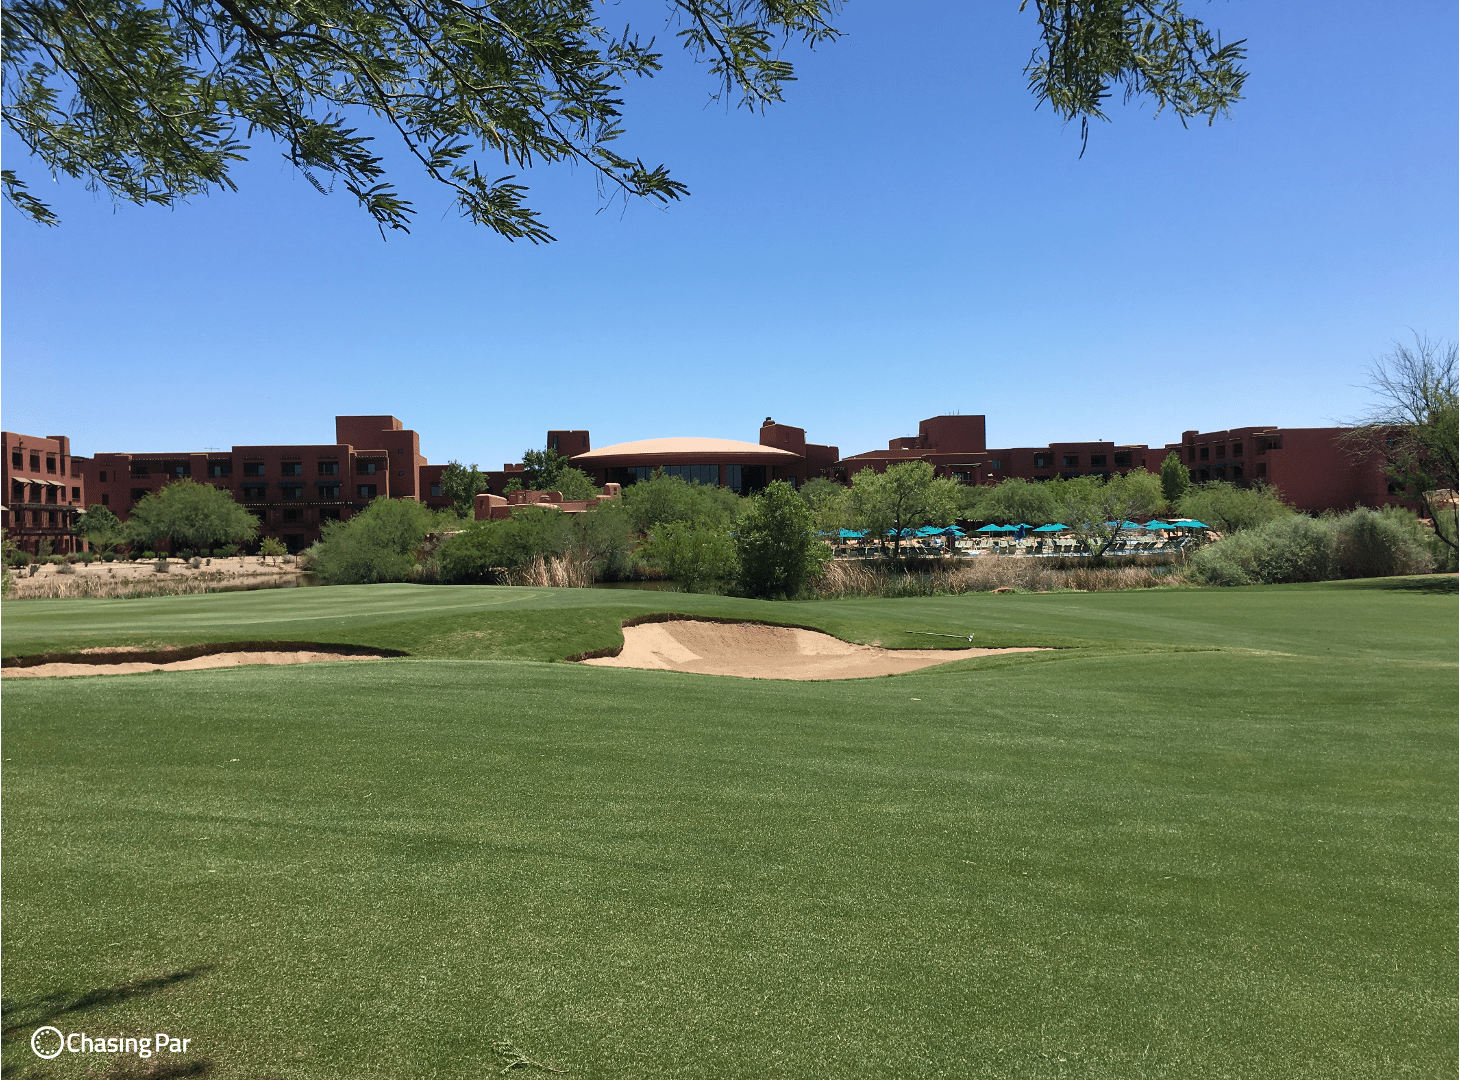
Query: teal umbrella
x=991 y=529
x=1052 y=528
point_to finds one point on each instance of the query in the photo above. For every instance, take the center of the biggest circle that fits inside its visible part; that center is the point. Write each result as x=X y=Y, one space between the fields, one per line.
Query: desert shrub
x=66 y=568
x=776 y=543
x=1289 y=549
x=484 y=549
x=16 y=557
x=698 y=557
x=195 y=562
x=1232 y=508
x=225 y=552
x=162 y=566
x=1383 y=544
x=381 y=543
x=568 y=571
x=109 y=556
x=55 y=560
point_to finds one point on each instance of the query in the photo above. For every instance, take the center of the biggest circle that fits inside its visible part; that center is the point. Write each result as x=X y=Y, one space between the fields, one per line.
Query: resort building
x=292 y=490
x=45 y=489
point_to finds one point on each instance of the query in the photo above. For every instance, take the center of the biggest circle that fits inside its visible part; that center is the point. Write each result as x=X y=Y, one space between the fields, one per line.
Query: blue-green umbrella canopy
x=1189 y=523
x=993 y=529
x=1052 y=528
x=851 y=534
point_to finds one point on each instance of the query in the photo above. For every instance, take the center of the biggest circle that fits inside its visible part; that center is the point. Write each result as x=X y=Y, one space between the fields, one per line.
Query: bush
x=777 y=544
x=195 y=562
x=697 y=557
x=1231 y=508
x=109 y=556
x=1383 y=544
x=56 y=560
x=225 y=552
x=162 y=566
x=477 y=552
x=1289 y=549
x=379 y=544
x=18 y=558
x=662 y=499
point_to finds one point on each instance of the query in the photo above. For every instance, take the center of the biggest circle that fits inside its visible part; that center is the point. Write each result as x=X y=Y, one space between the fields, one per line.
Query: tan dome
x=681 y=450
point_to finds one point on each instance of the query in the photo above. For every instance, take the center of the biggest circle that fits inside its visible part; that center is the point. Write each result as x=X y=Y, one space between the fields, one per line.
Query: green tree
x=147 y=101
x=777 y=544
x=190 y=514
x=907 y=495
x=271 y=547
x=698 y=557
x=829 y=502
x=1011 y=502
x=662 y=499
x=547 y=470
x=1232 y=508
x=1414 y=424
x=462 y=484
x=1175 y=479
x=1097 y=509
x=101 y=528
x=381 y=543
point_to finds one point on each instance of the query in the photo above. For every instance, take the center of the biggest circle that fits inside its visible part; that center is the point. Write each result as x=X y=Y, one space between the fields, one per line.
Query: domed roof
x=683 y=449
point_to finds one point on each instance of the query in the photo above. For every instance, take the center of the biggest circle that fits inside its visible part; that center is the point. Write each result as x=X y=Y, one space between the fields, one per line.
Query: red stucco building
x=293 y=489
x=44 y=491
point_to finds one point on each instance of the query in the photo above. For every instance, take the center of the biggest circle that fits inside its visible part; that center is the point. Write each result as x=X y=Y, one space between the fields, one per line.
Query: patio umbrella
x=1052 y=528
x=1157 y=525
x=851 y=534
x=990 y=529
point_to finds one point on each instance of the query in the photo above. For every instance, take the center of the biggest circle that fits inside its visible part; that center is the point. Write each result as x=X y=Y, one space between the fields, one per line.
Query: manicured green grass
x=1216 y=838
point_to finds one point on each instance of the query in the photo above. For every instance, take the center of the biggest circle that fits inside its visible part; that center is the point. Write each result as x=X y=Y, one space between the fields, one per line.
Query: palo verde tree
x=100 y=528
x=1413 y=425
x=187 y=513
x=1096 y=510
x=907 y=495
x=1175 y=479
x=152 y=102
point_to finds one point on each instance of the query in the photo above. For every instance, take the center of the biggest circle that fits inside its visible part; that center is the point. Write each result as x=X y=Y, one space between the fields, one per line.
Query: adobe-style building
x=292 y=490
x=496 y=507
x=45 y=489
x=1309 y=466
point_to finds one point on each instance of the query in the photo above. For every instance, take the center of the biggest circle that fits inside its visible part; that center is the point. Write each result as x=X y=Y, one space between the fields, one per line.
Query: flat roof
x=684 y=448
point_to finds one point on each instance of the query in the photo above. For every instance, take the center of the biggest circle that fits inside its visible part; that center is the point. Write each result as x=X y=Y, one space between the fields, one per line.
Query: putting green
x=1216 y=837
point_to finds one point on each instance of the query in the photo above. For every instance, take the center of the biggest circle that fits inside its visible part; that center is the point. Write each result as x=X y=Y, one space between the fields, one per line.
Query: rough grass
x=1118 y=860
x=846 y=579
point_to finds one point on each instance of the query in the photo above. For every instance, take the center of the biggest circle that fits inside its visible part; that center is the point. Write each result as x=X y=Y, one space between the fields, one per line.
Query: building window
x=1041 y=478
x=50 y=464
x=292 y=491
x=367 y=491
x=75 y=494
x=1236 y=449
x=139 y=468
x=994 y=464
x=1068 y=475
x=1236 y=472
x=329 y=513
x=693 y=474
x=220 y=468
x=17 y=491
x=1220 y=472
x=138 y=494
x=1202 y=454
x=255 y=492
x=106 y=499
x=293 y=515
x=435 y=491
x=1396 y=488
x=400 y=472
x=364 y=468
x=102 y=476
x=1191 y=453
x=17 y=459
x=732 y=477
x=178 y=469
x=328 y=491
x=1072 y=461
x=1041 y=461
x=329 y=468
x=1221 y=450
x=1122 y=458
x=292 y=468
x=961 y=477
x=1097 y=459
x=1206 y=474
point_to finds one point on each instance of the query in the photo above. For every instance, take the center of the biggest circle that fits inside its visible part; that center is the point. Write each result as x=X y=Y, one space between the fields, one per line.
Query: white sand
x=769 y=652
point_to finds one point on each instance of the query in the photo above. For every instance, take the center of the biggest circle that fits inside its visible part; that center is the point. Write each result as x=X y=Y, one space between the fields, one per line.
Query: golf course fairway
x=1208 y=833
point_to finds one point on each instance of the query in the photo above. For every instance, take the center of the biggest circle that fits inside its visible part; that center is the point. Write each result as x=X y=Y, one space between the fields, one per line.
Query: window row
x=1204 y=453
x=17 y=461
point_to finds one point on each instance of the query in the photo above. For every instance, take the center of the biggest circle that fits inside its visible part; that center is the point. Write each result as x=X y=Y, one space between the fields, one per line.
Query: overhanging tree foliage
x=547 y=470
x=100 y=527
x=462 y=485
x=152 y=101
x=907 y=495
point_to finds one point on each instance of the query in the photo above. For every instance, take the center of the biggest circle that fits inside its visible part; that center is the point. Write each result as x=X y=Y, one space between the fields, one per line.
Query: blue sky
x=905 y=236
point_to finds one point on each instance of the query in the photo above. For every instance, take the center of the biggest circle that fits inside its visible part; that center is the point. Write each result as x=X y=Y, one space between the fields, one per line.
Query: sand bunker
x=196 y=663
x=768 y=652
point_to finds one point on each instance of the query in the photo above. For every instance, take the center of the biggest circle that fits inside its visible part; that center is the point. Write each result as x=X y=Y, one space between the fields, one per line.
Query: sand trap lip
x=124 y=660
x=759 y=651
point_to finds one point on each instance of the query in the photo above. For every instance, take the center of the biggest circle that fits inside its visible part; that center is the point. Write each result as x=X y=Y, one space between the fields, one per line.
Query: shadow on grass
x=19 y=1017
x=1434 y=584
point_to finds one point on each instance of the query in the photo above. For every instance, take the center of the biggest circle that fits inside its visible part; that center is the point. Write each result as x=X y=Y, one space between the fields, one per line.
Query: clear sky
x=905 y=236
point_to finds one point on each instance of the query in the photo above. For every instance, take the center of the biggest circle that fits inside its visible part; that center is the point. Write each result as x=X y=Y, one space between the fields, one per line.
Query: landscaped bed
x=1208 y=833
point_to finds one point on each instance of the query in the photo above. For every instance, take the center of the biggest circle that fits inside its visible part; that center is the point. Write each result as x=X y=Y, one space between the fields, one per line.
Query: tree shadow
x=48 y=1008
x=1433 y=584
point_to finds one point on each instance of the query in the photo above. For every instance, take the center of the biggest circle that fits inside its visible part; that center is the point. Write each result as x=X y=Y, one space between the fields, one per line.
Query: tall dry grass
x=83 y=586
x=554 y=572
x=850 y=579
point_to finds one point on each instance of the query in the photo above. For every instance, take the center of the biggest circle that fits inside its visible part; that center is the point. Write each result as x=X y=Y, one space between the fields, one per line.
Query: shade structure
x=851 y=534
x=1157 y=525
x=1123 y=525
x=992 y=529
x=1189 y=523
x=952 y=530
x=1052 y=528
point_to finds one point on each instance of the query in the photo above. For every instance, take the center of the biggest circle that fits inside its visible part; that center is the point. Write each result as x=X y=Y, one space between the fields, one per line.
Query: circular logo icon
x=36 y=1042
